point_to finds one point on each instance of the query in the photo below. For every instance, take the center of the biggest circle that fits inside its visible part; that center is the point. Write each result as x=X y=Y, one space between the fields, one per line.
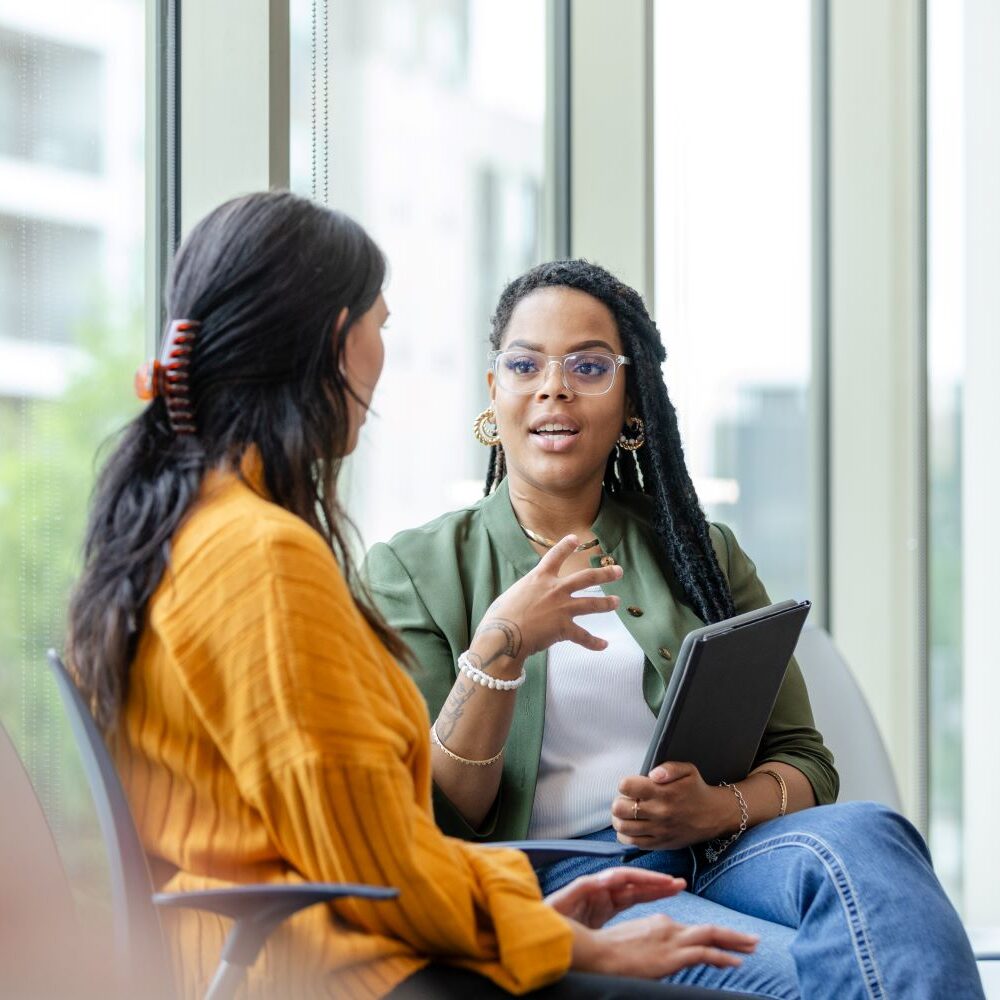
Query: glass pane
x=946 y=343
x=733 y=271
x=424 y=133
x=72 y=211
x=963 y=369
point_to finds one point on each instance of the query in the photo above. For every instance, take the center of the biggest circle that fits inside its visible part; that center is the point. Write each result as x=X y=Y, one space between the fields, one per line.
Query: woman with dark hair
x=251 y=695
x=584 y=442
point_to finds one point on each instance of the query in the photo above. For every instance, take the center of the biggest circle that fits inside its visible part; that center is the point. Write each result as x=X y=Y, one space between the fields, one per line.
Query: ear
x=338 y=327
x=491 y=384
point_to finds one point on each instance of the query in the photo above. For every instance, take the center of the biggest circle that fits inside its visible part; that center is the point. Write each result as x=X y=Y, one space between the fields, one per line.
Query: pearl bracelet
x=467 y=667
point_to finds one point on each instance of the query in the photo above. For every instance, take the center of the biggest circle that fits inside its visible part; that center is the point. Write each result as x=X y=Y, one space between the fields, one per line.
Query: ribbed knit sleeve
x=327 y=739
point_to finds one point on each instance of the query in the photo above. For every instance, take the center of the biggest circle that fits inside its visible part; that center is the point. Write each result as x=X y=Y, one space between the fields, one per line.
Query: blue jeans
x=844 y=899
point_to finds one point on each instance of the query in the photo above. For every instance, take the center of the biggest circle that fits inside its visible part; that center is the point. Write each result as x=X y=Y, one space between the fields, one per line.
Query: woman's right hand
x=538 y=611
x=656 y=946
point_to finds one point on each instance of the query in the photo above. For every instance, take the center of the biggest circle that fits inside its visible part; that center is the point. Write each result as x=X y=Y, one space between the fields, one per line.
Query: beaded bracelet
x=715 y=848
x=783 y=788
x=467 y=667
x=462 y=760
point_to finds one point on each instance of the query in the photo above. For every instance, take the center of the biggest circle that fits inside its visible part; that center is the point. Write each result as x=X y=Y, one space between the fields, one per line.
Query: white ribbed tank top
x=597 y=728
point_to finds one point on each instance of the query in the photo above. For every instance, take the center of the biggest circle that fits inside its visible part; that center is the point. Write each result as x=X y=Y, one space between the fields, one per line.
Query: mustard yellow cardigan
x=269 y=736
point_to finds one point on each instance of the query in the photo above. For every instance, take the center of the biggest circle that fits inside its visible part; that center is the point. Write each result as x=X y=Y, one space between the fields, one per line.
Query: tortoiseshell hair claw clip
x=169 y=376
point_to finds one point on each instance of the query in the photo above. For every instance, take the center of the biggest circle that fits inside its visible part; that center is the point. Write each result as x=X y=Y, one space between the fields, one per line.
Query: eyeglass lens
x=588 y=373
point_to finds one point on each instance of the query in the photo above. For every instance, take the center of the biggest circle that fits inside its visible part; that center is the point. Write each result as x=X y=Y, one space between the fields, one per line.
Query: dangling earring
x=637 y=439
x=485 y=428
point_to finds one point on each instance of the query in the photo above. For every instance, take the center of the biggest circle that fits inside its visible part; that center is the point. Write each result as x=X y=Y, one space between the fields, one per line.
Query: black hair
x=266 y=276
x=657 y=468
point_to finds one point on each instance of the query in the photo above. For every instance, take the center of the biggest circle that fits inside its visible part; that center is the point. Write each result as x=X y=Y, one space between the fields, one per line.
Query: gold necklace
x=547 y=543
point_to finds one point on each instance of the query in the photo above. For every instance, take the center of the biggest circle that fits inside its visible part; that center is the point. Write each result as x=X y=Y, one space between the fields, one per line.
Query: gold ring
x=635 y=809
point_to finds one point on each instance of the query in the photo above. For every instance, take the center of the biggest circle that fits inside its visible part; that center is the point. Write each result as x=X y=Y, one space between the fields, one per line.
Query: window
x=733 y=266
x=424 y=132
x=63 y=77
x=72 y=181
x=963 y=369
x=49 y=274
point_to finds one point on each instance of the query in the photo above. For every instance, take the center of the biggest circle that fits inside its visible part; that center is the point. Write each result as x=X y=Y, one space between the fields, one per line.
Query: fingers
x=637 y=786
x=594 y=605
x=585 y=578
x=639 y=878
x=569 y=898
x=672 y=770
x=558 y=554
x=629 y=895
x=712 y=936
x=726 y=937
x=634 y=828
x=623 y=807
x=633 y=787
x=582 y=637
x=701 y=955
x=644 y=841
x=706 y=944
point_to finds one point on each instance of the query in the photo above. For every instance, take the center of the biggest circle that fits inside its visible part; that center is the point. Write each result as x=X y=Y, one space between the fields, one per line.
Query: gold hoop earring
x=485 y=428
x=635 y=440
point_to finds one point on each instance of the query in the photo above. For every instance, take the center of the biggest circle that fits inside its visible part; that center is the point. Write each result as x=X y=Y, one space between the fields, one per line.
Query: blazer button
x=607 y=561
x=665 y=653
x=634 y=611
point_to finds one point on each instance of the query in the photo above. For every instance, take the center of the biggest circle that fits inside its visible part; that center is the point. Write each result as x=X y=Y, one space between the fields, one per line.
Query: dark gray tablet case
x=723 y=689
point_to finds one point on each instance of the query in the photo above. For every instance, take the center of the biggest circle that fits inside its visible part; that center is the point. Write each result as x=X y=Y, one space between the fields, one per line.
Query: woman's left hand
x=592 y=900
x=676 y=808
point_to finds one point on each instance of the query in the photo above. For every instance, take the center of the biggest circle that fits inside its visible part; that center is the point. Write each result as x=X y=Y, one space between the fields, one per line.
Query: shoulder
x=637 y=511
x=724 y=543
x=234 y=525
x=739 y=569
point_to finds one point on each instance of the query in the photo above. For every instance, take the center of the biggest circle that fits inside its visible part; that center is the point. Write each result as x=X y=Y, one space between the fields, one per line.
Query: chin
x=558 y=472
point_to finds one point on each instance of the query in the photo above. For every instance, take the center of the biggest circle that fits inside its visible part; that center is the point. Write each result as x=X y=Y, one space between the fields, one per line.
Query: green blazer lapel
x=649 y=609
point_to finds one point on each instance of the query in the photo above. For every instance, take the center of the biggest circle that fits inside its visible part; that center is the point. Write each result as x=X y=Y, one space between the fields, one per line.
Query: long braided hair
x=656 y=469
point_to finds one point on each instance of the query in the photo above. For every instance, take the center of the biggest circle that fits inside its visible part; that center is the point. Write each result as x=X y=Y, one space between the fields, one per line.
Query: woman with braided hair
x=584 y=442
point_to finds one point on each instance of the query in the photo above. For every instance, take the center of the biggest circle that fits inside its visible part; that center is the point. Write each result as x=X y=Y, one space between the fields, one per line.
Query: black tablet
x=723 y=689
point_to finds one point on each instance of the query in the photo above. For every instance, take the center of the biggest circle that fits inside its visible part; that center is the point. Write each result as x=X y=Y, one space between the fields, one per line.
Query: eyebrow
x=585 y=345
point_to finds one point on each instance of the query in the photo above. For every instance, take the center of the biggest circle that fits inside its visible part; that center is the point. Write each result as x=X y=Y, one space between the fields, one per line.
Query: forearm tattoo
x=511 y=634
x=454 y=706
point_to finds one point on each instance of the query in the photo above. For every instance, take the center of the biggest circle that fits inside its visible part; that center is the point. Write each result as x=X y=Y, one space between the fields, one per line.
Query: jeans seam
x=837 y=870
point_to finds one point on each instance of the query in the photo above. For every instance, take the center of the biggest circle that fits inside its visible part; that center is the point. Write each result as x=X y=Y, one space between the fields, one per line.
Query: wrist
x=589 y=953
x=487 y=657
x=727 y=812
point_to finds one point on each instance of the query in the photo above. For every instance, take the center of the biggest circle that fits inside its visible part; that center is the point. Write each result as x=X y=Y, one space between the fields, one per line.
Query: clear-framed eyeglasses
x=588 y=373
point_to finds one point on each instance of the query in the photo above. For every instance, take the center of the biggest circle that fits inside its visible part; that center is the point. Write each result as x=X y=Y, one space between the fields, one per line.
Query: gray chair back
x=846 y=722
x=140 y=951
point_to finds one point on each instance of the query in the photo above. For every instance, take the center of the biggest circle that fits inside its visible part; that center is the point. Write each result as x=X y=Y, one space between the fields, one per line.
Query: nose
x=553 y=383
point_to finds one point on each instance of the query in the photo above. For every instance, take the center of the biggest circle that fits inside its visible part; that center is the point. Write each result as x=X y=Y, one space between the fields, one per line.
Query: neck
x=552 y=513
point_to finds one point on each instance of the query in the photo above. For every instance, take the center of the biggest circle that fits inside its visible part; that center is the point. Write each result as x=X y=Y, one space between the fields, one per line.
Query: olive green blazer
x=434 y=584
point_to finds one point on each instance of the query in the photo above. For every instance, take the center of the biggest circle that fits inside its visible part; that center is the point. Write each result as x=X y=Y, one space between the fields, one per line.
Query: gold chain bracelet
x=715 y=848
x=462 y=760
x=781 y=786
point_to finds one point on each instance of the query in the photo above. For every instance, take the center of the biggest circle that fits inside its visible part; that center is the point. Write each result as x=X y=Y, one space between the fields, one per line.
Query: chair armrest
x=258 y=909
x=547 y=852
